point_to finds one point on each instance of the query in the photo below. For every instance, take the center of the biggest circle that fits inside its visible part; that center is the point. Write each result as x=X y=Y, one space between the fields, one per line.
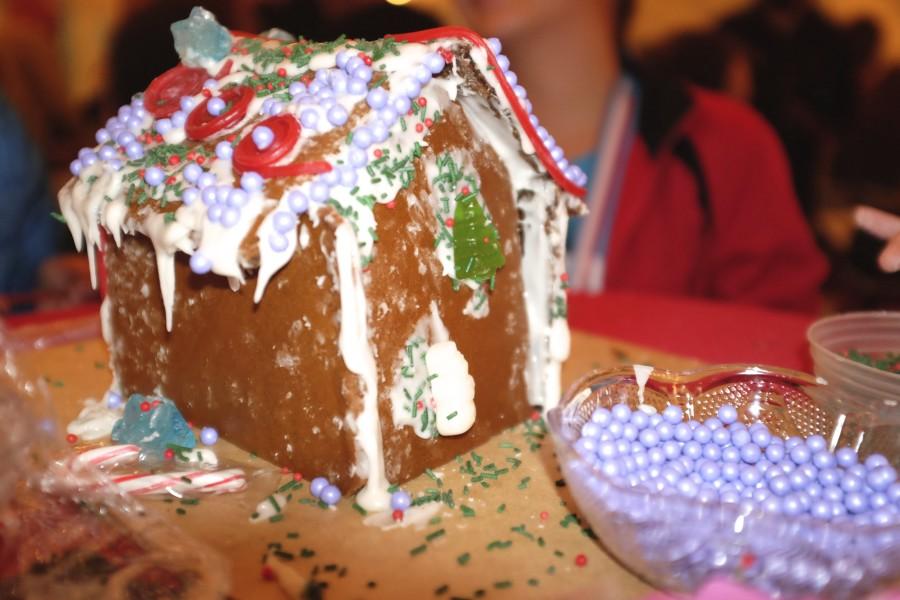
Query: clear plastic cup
x=856 y=386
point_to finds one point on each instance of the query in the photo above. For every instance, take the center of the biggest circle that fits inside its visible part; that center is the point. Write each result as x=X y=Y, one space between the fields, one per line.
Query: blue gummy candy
x=200 y=39
x=155 y=429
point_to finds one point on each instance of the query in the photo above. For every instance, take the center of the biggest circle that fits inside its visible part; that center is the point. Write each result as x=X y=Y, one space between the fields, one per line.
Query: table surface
x=498 y=545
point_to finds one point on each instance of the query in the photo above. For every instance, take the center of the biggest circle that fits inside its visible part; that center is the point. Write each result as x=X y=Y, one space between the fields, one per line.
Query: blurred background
x=824 y=73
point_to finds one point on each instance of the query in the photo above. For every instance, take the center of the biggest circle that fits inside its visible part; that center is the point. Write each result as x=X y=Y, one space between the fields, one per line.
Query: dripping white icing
x=356 y=351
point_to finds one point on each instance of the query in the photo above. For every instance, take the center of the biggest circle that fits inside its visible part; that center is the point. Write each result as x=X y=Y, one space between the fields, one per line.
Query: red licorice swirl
x=201 y=124
x=163 y=95
x=286 y=134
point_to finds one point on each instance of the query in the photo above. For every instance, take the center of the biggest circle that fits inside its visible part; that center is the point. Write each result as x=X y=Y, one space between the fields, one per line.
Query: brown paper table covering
x=518 y=535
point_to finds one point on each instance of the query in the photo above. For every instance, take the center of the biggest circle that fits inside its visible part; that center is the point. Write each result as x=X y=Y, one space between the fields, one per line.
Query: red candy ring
x=163 y=95
x=286 y=130
x=201 y=124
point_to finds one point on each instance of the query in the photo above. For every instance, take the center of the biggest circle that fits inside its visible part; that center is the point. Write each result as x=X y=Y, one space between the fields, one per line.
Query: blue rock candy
x=154 y=429
x=200 y=39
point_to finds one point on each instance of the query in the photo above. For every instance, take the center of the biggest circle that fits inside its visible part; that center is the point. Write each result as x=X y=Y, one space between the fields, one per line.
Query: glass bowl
x=676 y=543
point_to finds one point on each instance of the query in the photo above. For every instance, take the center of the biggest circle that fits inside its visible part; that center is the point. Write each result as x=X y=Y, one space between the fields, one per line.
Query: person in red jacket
x=689 y=191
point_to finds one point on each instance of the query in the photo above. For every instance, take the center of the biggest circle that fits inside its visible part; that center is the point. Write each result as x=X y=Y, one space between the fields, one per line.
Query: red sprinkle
x=201 y=160
x=580 y=560
x=420 y=405
x=285 y=470
x=282 y=72
x=191 y=155
x=71 y=438
x=145 y=406
x=419 y=128
x=536 y=415
x=409 y=113
x=141 y=173
x=445 y=54
x=465 y=190
x=544 y=515
x=748 y=560
x=286 y=50
x=267 y=573
x=174 y=159
x=169 y=454
x=428 y=122
x=170 y=180
x=298 y=476
x=231 y=137
x=270 y=86
x=449 y=221
x=421 y=101
x=308 y=50
x=397 y=515
x=486 y=240
x=206 y=92
x=378 y=153
x=155 y=403
x=158 y=138
x=391 y=204
x=259 y=87
x=564 y=277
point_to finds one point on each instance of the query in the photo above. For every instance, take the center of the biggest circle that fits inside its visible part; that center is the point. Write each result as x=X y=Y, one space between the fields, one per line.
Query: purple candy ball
x=400 y=500
x=317 y=485
x=209 y=436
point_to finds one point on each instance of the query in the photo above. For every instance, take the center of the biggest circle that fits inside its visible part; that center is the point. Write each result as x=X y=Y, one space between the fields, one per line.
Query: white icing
x=452 y=387
x=356 y=351
x=269 y=507
x=641 y=375
x=95 y=421
x=414 y=516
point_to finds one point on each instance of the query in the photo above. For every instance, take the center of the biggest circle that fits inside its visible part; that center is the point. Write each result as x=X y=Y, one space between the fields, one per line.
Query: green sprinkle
x=501 y=508
x=190 y=501
x=477 y=458
x=463 y=558
x=452 y=415
x=274 y=503
x=58 y=217
x=307 y=553
x=418 y=550
x=500 y=544
x=434 y=520
x=551 y=570
x=559 y=553
x=283 y=554
x=520 y=529
x=524 y=483
x=435 y=535
x=502 y=585
x=466 y=511
x=568 y=520
x=99 y=365
x=533 y=582
x=186 y=479
x=292 y=535
x=276 y=518
x=180 y=511
x=359 y=509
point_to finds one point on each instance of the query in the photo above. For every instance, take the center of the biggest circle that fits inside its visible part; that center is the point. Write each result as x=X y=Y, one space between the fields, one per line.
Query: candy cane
x=179 y=482
x=108 y=455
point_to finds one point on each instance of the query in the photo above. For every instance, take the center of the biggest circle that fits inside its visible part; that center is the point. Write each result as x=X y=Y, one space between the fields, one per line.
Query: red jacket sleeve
x=762 y=250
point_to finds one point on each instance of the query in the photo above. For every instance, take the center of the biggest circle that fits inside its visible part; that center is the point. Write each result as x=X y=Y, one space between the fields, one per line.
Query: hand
x=885 y=226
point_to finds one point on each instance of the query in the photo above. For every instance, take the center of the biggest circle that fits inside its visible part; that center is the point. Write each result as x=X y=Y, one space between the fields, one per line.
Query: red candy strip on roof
x=429 y=35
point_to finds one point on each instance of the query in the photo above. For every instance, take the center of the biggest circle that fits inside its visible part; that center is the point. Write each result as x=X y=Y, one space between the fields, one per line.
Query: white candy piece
x=269 y=507
x=453 y=388
x=94 y=422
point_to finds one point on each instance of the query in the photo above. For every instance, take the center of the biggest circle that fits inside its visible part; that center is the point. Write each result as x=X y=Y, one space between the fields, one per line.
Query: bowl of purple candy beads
x=737 y=471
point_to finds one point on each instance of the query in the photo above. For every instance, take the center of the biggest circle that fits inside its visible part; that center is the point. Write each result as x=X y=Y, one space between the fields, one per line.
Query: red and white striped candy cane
x=182 y=482
x=109 y=455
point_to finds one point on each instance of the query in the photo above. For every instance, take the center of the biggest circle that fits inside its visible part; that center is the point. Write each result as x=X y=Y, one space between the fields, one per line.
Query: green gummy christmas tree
x=476 y=243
